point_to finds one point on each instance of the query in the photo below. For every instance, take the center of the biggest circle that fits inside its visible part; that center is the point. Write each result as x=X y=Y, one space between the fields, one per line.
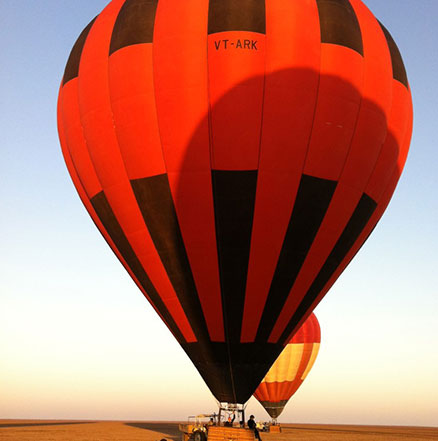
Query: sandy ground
x=37 y=430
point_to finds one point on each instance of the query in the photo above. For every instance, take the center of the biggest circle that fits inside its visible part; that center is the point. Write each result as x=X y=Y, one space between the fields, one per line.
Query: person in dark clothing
x=230 y=421
x=252 y=425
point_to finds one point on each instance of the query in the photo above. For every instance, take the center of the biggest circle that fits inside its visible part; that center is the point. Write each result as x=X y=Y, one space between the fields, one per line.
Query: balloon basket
x=218 y=426
x=191 y=432
x=275 y=429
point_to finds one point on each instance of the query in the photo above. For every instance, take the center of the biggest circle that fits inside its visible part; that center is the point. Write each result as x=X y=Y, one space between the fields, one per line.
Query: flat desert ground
x=53 y=430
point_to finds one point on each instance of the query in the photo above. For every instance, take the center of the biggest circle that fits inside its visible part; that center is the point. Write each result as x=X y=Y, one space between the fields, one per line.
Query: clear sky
x=78 y=340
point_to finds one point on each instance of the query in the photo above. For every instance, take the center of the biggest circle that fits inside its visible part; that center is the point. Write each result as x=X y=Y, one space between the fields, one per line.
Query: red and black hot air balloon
x=290 y=369
x=235 y=155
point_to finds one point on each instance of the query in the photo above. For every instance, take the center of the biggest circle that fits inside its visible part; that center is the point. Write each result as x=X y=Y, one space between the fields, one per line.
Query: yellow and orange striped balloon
x=290 y=369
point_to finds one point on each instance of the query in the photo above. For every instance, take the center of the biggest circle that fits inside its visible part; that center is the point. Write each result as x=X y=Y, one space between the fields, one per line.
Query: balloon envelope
x=235 y=156
x=290 y=369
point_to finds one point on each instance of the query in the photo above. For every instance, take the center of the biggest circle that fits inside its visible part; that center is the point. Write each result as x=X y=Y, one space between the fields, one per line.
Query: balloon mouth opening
x=231 y=407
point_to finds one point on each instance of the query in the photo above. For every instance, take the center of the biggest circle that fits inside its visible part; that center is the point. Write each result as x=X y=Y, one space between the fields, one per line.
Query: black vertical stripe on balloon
x=106 y=215
x=232 y=15
x=134 y=24
x=339 y=24
x=72 y=67
x=398 y=67
x=360 y=217
x=155 y=201
x=311 y=204
x=234 y=199
x=249 y=362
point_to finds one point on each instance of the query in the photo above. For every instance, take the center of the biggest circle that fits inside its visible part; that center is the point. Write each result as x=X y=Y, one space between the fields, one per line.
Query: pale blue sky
x=77 y=339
